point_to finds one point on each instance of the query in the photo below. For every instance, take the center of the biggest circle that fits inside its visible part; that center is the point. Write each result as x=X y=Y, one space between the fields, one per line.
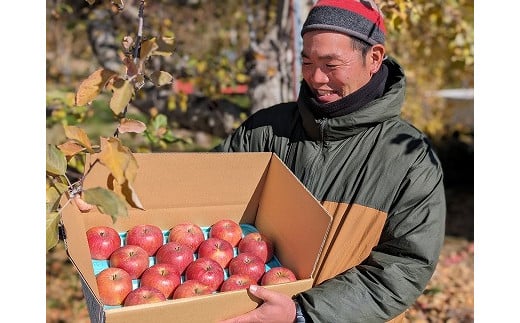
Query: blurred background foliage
x=433 y=40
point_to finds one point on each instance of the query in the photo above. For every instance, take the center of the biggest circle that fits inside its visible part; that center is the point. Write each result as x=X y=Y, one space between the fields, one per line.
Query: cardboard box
x=253 y=188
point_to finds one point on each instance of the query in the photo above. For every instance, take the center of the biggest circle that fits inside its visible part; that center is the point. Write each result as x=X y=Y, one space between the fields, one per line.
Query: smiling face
x=333 y=68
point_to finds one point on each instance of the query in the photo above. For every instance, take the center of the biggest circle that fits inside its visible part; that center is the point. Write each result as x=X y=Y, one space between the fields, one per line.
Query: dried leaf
x=70 y=148
x=147 y=47
x=119 y=4
x=90 y=88
x=107 y=202
x=138 y=81
x=131 y=125
x=127 y=42
x=131 y=68
x=56 y=162
x=160 y=78
x=82 y=205
x=114 y=157
x=79 y=135
x=123 y=92
x=166 y=46
x=52 y=221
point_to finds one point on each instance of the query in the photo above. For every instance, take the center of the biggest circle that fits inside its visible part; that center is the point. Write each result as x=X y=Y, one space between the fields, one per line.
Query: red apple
x=247 y=264
x=217 y=249
x=102 y=241
x=163 y=277
x=114 y=284
x=278 y=275
x=226 y=229
x=257 y=244
x=187 y=233
x=131 y=258
x=147 y=236
x=207 y=271
x=175 y=253
x=144 y=295
x=191 y=288
x=236 y=282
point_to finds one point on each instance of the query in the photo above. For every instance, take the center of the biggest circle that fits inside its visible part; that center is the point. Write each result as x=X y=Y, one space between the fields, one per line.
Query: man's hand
x=276 y=307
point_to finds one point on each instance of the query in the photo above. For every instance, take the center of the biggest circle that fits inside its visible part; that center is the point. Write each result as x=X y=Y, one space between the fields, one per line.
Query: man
x=344 y=139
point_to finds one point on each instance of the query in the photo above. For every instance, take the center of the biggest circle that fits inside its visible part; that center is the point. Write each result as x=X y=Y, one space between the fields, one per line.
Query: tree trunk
x=275 y=61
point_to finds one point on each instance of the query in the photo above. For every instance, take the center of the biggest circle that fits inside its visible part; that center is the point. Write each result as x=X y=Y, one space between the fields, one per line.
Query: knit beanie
x=358 y=18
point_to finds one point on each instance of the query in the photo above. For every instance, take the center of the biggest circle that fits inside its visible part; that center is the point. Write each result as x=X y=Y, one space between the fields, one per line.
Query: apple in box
x=102 y=241
x=144 y=295
x=207 y=271
x=257 y=244
x=163 y=277
x=114 y=284
x=226 y=229
x=147 y=236
x=177 y=254
x=131 y=258
x=247 y=264
x=191 y=288
x=278 y=275
x=236 y=282
x=217 y=249
x=186 y=233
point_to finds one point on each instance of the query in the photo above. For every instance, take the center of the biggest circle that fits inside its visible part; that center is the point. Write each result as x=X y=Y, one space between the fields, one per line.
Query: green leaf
x=52 y=229
x=56 y=161
x=107 y=202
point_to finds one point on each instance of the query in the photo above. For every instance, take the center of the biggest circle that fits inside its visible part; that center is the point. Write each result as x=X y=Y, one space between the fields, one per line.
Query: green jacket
x=370 y=158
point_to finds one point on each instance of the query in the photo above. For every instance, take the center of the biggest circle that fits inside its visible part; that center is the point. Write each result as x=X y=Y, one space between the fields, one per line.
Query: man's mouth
x=326 y=96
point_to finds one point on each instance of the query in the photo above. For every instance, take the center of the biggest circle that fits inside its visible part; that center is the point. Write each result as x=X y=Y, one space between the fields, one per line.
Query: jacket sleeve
x=399 y=267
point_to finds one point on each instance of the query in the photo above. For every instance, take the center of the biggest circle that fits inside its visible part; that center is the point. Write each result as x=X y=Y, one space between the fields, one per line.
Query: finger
x=262 y=293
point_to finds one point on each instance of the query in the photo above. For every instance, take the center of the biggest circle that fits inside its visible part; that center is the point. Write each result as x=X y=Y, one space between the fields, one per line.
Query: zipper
x=318 y=156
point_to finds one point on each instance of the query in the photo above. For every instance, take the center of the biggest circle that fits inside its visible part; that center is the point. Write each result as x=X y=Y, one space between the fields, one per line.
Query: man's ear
x=375 y=57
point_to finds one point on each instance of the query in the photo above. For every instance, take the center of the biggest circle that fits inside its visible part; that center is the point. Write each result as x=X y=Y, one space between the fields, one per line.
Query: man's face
x=331 y=67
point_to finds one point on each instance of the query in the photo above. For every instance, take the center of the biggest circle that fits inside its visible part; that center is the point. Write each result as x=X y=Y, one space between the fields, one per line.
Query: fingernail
x=252 y=288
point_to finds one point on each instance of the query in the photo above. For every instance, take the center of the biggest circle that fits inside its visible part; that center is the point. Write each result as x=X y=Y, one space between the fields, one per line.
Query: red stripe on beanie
x=357 y=7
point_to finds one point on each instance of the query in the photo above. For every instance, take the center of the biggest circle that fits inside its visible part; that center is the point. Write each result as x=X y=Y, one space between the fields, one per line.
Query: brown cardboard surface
x=255 y=188
x=355 y=230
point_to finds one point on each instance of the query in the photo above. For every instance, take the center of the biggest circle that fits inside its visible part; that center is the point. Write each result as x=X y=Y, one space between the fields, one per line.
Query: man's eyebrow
x=325 y=57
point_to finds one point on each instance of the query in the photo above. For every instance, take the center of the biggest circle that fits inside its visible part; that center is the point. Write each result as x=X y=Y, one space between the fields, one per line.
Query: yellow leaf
x=160 y=78
x=70 y=148
x=130 y=125
x=131 y=167
x=133 y=196
x=79 y=135
x=114 y=157
x=126 y=191
x=123 y=92
x=90 y=88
